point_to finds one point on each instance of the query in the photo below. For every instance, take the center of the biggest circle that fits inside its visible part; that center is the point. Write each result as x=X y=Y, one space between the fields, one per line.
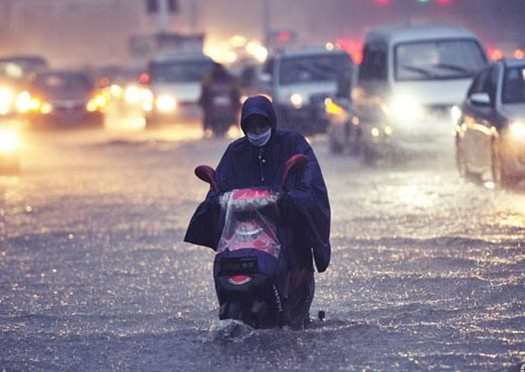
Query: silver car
x=490 y=134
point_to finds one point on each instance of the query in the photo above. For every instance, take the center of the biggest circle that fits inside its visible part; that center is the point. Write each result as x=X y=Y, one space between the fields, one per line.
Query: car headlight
x=406 y=108
x=332 y=108
x=146 y=95
x=297 y=100
x=26 y=103
x=517 y=130
x=46 y=108
x=97 y=103
x=166 y=103
x=6 y=100
x=455 y=114
x=132 y=94
x=9 y=140
x=115 y=90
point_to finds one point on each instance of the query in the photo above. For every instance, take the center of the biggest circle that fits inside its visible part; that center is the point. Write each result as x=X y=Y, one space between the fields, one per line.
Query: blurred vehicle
x=220 y=100
x=143 y=48
x=343 y=131
x=21 y=67
x=409 y=80
x=490 y=134
x=300 y=81
x=65 y=97
x=175 y=82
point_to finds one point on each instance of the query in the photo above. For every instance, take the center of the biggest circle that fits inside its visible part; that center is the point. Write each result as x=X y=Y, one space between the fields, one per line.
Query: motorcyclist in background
x=220 y=99
x=258 y=160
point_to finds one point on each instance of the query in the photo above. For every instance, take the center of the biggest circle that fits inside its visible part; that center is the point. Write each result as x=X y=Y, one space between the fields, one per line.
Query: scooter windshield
x=248 y=223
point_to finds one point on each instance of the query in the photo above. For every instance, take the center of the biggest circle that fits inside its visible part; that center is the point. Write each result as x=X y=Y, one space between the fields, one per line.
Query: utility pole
x=266 y=20
x=163 y=18
x=194 y=16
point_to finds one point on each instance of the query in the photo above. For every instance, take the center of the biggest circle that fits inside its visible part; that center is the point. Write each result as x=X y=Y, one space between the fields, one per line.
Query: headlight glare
x=9 y=140
x=46 y=108
x=517 y=130
x=455 y=113
x=132 y=94
x=166 y=103
x=297 y=100
x=25 y=103
x=406 y=108
x=6 y=100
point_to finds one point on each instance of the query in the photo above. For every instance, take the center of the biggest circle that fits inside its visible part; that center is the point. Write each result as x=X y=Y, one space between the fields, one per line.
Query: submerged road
x=428 y=271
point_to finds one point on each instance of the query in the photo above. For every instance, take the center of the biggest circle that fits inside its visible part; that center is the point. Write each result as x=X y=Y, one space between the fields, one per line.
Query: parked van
x=409 y=84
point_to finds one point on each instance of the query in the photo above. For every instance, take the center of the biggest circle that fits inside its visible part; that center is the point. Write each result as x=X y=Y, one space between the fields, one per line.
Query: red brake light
x=144 y=78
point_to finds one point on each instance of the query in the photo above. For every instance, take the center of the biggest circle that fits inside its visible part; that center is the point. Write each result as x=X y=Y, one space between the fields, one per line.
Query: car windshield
x=310 y=69
x=435 y=60
x=57 y=83
x=180 y=71
x=514 y=85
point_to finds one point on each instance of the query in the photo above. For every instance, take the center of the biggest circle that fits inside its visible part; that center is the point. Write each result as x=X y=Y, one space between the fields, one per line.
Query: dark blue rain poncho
x=305 y=206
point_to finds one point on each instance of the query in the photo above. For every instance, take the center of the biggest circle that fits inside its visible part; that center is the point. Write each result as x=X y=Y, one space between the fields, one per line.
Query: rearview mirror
x=480 y=99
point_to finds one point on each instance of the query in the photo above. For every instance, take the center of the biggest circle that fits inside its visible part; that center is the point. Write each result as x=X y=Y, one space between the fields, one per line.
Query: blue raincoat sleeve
x=306 y=208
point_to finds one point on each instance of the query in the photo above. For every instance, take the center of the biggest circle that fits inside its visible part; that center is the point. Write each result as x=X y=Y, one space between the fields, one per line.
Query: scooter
x=250 y=268
x=222 y=112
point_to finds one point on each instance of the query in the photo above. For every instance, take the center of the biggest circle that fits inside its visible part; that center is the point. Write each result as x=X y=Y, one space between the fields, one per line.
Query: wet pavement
x=428 y=270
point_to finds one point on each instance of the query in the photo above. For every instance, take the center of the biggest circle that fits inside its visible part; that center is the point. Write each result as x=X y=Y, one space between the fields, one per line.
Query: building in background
x=88 y=32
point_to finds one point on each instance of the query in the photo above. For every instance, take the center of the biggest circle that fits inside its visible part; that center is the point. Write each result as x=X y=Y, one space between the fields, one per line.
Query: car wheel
x=370 y=156
x=461 y=162
x=497 y=168
x=355 y=142
x=335 y=147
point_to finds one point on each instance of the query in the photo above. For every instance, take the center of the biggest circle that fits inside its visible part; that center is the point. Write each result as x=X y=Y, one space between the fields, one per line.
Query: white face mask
x=260 y=140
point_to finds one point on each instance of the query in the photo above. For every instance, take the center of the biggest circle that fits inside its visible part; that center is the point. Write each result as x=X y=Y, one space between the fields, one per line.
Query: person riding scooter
x=220 y=100
x=261 y=161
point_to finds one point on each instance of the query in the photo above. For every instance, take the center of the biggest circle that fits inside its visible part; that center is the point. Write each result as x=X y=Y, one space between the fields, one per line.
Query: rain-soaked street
x=428 y=271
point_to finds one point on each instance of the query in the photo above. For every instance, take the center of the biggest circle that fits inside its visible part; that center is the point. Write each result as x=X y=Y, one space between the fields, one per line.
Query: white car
x=409 y=82
x=175 y=83
x=490 y=135
x=301 y=80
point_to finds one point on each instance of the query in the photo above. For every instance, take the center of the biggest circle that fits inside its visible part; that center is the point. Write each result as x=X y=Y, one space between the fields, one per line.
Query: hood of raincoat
x=258 y=105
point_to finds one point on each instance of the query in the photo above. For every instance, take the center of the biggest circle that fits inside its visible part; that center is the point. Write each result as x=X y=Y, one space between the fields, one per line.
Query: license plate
x=221 y=101
x=238 y=265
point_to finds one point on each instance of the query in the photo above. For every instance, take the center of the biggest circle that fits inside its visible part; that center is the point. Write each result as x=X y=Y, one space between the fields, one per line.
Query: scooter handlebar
x=297 y=161
x=207 y=174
